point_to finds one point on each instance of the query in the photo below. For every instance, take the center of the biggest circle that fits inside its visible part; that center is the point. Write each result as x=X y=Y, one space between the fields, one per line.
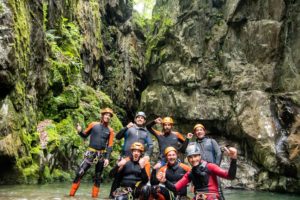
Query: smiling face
x=171 y=157
x=140 y=121
x=200 y=132
x=194 y=160
x=106 y=117
x=136 y=154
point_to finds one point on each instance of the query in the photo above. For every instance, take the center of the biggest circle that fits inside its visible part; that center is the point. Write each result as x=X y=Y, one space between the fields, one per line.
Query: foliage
x=159 y=27
x=65 y=61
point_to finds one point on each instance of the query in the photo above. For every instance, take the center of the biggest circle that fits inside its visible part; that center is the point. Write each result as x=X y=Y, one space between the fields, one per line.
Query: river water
x=60 y=192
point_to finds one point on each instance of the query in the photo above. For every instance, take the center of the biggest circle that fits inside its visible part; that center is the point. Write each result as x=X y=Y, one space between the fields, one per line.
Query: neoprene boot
x=74 y=188
x=95 y=191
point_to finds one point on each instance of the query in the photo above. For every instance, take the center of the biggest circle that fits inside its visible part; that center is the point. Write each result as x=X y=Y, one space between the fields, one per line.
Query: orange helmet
x=167 y=120
x=137 y=146
x=198 y=126
x=168 y=149
x=107 y=110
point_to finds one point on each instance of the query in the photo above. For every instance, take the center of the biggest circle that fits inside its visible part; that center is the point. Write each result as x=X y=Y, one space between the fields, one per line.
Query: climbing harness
x=122 y=191
x=204 y=196
x=93 y=156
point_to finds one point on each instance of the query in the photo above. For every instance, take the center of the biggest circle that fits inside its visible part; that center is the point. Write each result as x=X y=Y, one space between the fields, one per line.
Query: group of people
x=169 y=177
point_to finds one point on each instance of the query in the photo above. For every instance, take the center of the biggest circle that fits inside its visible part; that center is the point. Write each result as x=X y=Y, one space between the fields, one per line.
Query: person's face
x=194 y=160
x=171 y=157
x=106 y=117
x=140 y=120
x=200 y=132
x=167 y=127
x=136 y=154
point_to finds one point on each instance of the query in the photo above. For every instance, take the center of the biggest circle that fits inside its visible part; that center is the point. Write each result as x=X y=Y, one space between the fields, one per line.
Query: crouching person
x=132 y=175
x=203 y=175
x=174 y=171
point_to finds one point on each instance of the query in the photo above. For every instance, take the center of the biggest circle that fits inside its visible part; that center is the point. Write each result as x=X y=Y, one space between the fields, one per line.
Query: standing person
x=174 y=171
x=133 y=174
x=166 y=138
x=98 y=152
x=203 y=174
x=136 y=132
x=209 y=148
x=133 y=132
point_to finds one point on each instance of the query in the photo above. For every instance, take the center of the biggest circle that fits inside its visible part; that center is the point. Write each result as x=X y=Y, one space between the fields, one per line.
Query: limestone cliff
x=47 y=49
x=232 y=66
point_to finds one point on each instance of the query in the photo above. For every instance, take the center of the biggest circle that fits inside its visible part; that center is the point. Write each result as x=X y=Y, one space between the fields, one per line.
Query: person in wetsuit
x=136 y=132
x=167 y=137
x=98 y=152
x=133 y=132
x=132 y=175
x=203 y=174
x=209 y=149
x=174 y=171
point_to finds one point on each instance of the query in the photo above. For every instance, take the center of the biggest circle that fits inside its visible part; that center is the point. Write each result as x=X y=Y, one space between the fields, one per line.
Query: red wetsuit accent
x=204 y=178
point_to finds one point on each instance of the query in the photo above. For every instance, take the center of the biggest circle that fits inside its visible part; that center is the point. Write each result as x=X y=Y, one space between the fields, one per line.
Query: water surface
x=60 y=192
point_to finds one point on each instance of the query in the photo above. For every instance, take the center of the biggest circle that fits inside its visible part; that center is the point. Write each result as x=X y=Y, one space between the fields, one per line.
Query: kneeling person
x=133 y=174
x=173 y=171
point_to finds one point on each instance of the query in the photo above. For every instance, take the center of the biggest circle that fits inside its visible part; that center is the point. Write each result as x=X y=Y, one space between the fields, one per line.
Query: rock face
x=232 y=66
x=44 y=46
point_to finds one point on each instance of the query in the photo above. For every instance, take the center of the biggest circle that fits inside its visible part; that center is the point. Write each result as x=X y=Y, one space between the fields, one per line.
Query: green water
x=60 y=192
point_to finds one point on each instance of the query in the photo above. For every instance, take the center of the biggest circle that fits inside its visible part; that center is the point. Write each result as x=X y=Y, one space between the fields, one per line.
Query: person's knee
x=145 y=192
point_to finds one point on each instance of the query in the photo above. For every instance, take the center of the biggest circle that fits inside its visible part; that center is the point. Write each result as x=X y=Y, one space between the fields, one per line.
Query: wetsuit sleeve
x=153 y=179
x=179 y=185
x=232 y=169
x=150 y=145
x=230 y=174
x=110 y=143
x=145 y=173
x=121 y=133
x=148 y=169
x=217 y=152
x=151 y=130
x=87 y=131
x=119 y=176
x=183 y=141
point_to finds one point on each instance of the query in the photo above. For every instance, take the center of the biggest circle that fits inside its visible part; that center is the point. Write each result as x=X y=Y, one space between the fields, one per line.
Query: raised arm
x=122 y=133
x=151 y=130
x=230 y=174
x=87 y=131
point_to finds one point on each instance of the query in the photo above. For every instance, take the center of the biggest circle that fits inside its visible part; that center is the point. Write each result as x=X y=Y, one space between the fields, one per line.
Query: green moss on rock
x=21 y=35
